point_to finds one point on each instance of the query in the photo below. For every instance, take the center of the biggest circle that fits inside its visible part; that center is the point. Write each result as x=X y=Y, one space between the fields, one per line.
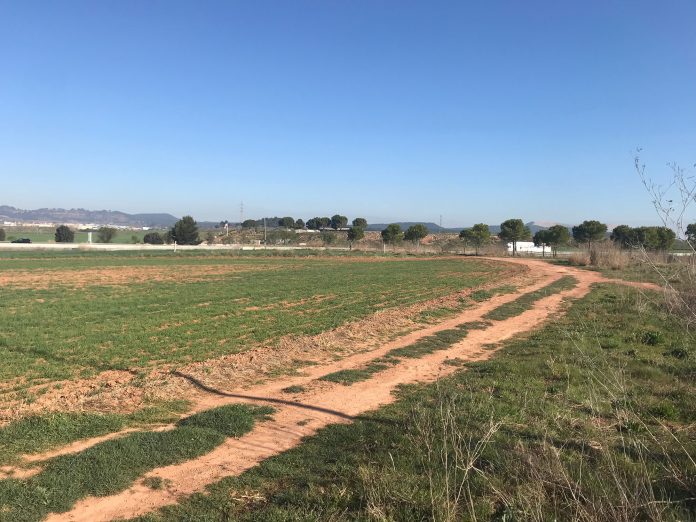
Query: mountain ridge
x=81 y=215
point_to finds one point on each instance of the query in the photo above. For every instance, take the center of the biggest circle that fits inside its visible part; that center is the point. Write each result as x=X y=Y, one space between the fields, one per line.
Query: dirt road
x=322 y=403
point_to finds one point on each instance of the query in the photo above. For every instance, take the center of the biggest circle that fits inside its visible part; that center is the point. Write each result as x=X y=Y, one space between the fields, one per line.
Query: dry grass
x=607 y=255
x=579 y=259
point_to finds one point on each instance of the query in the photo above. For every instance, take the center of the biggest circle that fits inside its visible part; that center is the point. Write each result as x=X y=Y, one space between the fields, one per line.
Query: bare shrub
x=608 y=255
x=678 y=277
x=673 y=203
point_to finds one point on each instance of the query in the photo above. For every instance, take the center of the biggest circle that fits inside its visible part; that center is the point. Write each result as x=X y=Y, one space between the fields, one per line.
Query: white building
x=526 y=247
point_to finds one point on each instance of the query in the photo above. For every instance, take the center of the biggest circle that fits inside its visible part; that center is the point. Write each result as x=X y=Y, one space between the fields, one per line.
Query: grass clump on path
x=349 y=377
x=577 y=421
x=112 y=466
x=295 y=388
x=232 y=421
x=438 y=341
x=484 y=295
x=526 y=301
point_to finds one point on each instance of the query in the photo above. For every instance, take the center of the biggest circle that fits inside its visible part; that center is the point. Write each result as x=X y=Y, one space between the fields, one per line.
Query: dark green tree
x=338 y=221
x=355 y=234
x=514 y=230
x=666 y=237
x=2 y=234
x=324 y=222
x=542 y=239
x=249 y=223
x=645 y=237
x=465 y=235
x=360 y=222
x=153 y=238
x=479 y=235
x=64 y=234
x=185 y=231
x=106 y=234
x=286 y=222
x=392 y=234
x=318 y=223
x=623 y=236
x=691 y=233
x=559 y=236
x=589 y=231
x=416 y=233
x=299 y=224
x=654 y=238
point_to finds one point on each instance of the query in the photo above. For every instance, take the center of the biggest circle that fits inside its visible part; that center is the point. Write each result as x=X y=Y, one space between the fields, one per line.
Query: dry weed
x=579 y=259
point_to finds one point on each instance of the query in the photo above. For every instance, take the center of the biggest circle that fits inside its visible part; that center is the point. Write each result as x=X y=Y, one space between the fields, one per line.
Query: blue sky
x=392 y=110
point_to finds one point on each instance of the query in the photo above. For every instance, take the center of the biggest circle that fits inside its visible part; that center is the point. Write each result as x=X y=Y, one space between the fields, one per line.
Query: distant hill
x=81 y=215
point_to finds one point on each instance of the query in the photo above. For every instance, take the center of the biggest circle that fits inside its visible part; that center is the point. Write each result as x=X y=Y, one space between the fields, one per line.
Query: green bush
x=64 y=234
x=153 y=238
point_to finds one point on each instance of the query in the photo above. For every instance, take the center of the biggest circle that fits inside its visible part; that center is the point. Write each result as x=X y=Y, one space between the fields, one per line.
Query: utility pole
x=241 y=213
x=264 y=232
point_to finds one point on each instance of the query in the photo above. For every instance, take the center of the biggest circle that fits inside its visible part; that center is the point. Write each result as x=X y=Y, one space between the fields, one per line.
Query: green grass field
x=590 y=418
x=64 y=316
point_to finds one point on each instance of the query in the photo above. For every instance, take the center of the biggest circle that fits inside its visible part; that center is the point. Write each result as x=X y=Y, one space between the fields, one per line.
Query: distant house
x=526 y=247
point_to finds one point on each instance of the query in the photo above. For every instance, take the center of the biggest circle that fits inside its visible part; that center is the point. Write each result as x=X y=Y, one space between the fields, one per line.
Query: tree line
x=185 y=232
x=587 y=232
x=335 y=222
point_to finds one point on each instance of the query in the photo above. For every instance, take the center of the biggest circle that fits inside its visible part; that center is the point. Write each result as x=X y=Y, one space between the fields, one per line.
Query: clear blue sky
x=392 y=110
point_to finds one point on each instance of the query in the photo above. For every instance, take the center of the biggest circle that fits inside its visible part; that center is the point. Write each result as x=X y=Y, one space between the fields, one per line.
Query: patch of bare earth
x=118 y=275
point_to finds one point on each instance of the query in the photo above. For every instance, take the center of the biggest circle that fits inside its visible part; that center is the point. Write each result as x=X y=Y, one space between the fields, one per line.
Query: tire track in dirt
x=327 y=403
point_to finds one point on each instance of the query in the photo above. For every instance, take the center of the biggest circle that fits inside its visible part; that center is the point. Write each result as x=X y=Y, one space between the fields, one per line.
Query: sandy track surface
x=302 y=414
